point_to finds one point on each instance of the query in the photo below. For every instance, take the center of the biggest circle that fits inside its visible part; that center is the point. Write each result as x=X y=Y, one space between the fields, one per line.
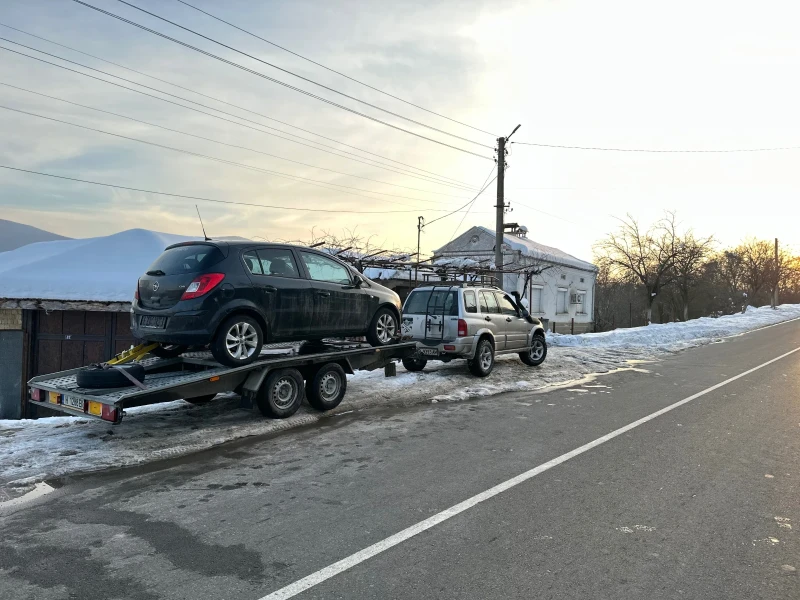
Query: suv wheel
x=536 y=354
x=383 y=328
x=483 y=363
x=238 y=341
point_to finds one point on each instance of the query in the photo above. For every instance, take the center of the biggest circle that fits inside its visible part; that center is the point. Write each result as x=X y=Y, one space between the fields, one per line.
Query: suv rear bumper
x=457 y=348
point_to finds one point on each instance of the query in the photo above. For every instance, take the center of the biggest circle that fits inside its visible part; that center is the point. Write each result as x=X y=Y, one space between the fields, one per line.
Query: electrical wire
x=108 y=112
x=658 y=151
x=228 y=104
x=539 y=210
x=464 y=206
x=469 y=208
x=133 y=189
x=287 y=85
x=417 y=176
x=333 y=70
x=315 y=182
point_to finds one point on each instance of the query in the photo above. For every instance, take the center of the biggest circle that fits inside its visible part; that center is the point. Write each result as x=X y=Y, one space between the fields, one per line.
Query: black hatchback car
x=236 y=296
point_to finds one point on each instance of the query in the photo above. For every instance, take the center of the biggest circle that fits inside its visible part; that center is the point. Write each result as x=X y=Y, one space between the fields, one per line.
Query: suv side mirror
x=358 y=281
x=525 y=313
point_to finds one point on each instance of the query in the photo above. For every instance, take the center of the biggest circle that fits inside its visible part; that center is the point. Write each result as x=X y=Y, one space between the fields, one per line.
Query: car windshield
x=192 y=258
x=434 y=302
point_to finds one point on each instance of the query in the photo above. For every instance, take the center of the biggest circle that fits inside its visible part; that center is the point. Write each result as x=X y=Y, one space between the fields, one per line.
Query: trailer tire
x=98 y=377
x=326 y=389
x=198 y=400
x=168 y=351
x=281 y=394
x=414 y=365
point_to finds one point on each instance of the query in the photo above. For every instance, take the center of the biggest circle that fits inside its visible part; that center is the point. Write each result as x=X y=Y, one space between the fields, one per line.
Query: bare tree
x=757 y=261
x=646 y=257
x=691 y=256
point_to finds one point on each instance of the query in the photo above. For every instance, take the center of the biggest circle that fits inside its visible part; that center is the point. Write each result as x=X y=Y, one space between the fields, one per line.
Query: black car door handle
x=488 y=318
x=321 y=293
x=269 y=289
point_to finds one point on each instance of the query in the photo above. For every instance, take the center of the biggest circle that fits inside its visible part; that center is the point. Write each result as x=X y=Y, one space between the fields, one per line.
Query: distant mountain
x=15 y=235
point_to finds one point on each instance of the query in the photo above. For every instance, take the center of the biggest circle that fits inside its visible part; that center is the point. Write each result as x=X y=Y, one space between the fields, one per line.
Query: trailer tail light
x=202 y=285
x=462 y=328
x=109 y=413
x=36 y=394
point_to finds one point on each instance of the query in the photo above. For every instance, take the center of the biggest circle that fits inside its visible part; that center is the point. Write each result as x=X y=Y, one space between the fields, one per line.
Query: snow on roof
x=102 y=269
x=542 y=252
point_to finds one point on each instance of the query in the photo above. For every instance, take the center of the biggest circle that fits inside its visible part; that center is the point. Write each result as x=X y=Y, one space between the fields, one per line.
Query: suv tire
x=536 y=354
x=483 y=363
x=414 y=365
x=326 y=388
x=383 y=328
x=244 y=345
x=281 y=394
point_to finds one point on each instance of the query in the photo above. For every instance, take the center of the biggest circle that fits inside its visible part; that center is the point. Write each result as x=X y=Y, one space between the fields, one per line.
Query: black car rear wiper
x=156 y=273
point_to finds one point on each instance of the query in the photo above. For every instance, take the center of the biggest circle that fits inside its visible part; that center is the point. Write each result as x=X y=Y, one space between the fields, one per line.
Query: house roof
x=485 y=243
x=100 y=269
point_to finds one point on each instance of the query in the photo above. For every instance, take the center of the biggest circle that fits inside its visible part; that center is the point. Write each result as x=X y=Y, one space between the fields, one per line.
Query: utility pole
x=420 y=221
x=777 y=277
x=500 y=207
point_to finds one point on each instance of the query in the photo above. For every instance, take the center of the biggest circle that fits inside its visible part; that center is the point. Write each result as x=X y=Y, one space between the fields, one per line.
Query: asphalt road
x=700 y=502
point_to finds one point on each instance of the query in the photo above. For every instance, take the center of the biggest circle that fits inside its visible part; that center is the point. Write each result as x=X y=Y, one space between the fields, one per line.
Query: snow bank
x=677 y=336
x=101 y=269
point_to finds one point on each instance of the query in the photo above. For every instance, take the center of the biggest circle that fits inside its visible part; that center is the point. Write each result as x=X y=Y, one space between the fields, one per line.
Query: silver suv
x=466 y=321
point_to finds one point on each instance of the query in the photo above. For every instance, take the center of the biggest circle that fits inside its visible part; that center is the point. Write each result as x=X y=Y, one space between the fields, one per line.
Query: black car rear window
x=440 y=300
x=186 y=259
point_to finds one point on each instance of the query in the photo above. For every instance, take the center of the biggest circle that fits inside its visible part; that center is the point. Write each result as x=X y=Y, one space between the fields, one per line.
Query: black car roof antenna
x=203 y=227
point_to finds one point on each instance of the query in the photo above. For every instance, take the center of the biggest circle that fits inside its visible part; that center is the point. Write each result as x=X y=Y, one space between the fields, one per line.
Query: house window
x=536 y=300
x=561 y=301
x=580 y=301
x=563 y=276
x=581 y=279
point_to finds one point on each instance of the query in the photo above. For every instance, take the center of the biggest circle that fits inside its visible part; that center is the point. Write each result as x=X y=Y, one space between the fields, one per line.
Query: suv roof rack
x=459 y=284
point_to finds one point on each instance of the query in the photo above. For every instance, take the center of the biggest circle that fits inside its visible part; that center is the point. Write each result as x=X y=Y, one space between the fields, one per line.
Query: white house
x=558 y=287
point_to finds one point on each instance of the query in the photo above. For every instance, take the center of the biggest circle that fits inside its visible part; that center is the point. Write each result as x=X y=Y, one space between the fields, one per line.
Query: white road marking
x=351 y=561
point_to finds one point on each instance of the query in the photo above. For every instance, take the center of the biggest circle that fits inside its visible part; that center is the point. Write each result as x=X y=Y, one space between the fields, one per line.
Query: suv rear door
x=494 y=320
x=283 y=294
x=516 y=328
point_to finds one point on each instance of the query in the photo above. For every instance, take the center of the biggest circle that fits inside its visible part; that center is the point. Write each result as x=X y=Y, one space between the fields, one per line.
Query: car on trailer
x=236 y=296
x=472 y=322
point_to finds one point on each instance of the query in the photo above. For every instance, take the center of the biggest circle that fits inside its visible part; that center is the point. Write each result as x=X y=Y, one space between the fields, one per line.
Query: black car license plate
x=152 y=322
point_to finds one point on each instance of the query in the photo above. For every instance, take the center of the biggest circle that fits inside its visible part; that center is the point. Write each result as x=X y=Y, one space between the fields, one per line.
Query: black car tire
x=326 y=389
x=250 y=330
x=197 y=400
x=414 y=364
x=536 y=354
x=168 y=351
x=483 y=363
x=98 y=377
x=281 y=394
x=384 y=327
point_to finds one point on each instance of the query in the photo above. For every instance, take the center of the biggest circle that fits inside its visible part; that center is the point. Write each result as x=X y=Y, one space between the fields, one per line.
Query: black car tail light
x=200 y=286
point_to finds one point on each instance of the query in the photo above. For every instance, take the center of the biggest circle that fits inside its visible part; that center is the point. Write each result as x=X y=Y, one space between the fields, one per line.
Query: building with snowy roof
x=557 y=287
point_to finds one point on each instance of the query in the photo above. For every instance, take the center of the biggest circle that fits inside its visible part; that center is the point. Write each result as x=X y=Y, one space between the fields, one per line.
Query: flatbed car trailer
x=274 y=382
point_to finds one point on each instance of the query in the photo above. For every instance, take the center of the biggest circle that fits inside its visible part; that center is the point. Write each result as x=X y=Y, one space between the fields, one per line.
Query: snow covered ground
x=34 y=450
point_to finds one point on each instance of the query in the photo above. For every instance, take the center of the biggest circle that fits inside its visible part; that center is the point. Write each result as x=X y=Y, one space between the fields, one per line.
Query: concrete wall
x=11 y=363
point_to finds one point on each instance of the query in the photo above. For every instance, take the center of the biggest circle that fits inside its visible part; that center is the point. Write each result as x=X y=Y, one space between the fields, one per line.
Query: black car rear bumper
x=189 y=328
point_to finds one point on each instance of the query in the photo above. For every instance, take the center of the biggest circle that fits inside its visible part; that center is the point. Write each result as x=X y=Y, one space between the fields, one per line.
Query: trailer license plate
x=430 y=351
x=153 y=322
x=73 y=402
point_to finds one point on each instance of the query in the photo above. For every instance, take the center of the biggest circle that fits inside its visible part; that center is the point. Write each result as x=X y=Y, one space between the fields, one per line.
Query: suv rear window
x=420 y=301
x=192 y=258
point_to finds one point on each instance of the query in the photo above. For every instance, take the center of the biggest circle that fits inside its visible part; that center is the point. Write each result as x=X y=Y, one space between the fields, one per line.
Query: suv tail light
x=200 y=286
x=136 y=293
x=462 y=328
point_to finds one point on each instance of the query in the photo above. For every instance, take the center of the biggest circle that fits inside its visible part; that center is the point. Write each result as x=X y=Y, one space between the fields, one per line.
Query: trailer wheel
x=326 y=389
x=414 y=364
x=281 y=394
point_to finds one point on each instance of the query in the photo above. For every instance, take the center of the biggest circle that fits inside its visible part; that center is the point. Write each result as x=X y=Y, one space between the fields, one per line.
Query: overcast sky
x=627 y=74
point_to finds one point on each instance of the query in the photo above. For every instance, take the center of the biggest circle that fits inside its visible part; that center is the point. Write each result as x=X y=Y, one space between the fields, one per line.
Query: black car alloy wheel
x=238 y=341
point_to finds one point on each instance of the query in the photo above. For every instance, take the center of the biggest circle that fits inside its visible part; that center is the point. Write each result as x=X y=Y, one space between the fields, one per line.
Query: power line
x=469 y=208
x=333 y=70
x=315 y=182
x=468 y=203
x=226 y=103
x=284 y=84
x=358 y=159
x=133 y=189
x=658 y=151
x=108 y=112
x=539 y=210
